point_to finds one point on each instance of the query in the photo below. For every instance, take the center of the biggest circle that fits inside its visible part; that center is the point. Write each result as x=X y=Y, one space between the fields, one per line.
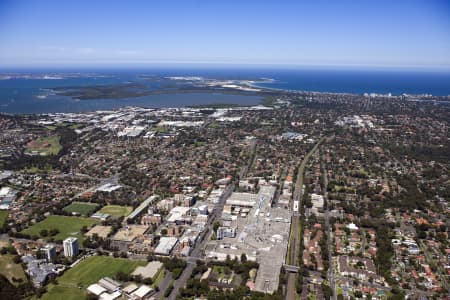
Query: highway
x=295 y=225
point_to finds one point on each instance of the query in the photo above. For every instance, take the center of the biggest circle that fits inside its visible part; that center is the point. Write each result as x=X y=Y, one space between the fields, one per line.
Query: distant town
x=305 y=196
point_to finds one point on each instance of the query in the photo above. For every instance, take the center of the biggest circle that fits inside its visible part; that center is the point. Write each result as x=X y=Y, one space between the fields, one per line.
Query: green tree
x=216 y=226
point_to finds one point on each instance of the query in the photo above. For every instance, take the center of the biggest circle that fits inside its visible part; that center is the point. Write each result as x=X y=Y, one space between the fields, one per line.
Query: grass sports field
x=45 y=146
x=116 y=210
x=83 y=208
x=3 y=217
x=73 y=284
x=67 y=226
x=9 y=269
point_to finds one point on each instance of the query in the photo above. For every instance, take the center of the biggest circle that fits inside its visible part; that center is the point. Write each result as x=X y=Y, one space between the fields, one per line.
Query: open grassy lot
x=117 y=210
x=76 y=126
x=64 y=292
x=3 y=217
x=83 y=208
x=11 y=270
x=73 y=284
x=45 y=146
x=67 y=226
x=35 y=170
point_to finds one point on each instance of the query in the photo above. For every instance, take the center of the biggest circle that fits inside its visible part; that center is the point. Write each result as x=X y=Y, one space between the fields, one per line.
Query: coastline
x=82 y=93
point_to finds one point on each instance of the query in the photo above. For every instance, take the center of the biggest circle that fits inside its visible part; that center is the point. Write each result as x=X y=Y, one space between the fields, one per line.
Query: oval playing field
x=116 y=210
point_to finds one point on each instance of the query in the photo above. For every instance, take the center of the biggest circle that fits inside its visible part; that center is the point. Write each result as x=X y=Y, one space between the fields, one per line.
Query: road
x=290 y=289
x=199 y=246
x=280 y=185
x=294 y=254
x=217 y=211
x=244 y=170
x=163 y=285
x=331 y=275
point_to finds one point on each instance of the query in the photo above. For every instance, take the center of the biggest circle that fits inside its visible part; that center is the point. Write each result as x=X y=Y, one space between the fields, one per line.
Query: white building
x=142 y=292
x=165 y=246
x=132 y=131
x=223 y=232
x=70 y=246
x=177 y=213
x=317 y=204
x=50 y=251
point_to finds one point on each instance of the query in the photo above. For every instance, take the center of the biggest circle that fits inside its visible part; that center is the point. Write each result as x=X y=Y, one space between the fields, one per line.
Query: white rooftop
x=96 y=289
x=4 y=191
x=130 y=288
x=142 y=291
x=176 y=213
x=112 y=296
x=166 y=245
x=109 y=187
x=352 y=226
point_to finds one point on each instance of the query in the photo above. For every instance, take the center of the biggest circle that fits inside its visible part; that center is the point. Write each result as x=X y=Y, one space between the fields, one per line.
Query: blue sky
x=378 y=33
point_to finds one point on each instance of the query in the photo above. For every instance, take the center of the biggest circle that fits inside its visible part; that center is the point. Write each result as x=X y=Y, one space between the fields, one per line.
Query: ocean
x=362 y=81
x=33 y=95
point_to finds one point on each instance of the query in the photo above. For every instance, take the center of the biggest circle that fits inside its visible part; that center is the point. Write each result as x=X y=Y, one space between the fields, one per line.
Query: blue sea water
x=362 y=81
x=22 y=95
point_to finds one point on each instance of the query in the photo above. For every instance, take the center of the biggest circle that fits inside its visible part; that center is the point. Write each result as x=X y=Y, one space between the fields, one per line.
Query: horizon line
x=171 y=63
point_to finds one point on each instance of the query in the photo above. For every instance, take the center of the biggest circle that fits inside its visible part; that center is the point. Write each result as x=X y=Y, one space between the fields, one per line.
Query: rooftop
x=166 y=245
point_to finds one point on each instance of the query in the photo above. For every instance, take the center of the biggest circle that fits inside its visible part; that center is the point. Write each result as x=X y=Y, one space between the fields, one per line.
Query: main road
x=199 y=246
x=294 y=247
x=331 y=276
x=196 y=253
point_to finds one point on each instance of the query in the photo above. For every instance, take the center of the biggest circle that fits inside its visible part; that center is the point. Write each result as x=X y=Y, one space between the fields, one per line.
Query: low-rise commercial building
x=166 y=245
